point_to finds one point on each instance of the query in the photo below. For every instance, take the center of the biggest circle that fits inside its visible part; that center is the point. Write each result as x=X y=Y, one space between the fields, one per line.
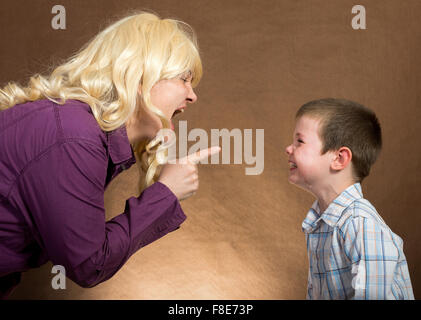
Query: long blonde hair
x=140 y=49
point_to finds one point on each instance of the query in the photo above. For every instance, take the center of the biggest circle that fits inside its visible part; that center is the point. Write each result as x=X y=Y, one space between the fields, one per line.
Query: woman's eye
x=187 y=78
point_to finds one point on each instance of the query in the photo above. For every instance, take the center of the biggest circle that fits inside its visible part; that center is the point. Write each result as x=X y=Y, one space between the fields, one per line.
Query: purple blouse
x=55 y=163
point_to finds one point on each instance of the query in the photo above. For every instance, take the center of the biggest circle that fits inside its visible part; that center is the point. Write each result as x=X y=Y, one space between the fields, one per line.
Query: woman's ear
x=342 y=158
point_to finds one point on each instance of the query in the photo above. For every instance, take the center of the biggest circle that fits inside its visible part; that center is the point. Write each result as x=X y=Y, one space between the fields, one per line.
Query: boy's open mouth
x=292 y=165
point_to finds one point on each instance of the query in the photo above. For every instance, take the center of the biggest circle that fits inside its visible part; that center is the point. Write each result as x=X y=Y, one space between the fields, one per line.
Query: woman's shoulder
x=32 y=129
x=77 y=121
x=43 y=123
x=44 y=113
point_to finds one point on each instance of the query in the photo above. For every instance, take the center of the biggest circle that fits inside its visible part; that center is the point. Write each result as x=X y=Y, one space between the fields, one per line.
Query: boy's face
x=308 y=168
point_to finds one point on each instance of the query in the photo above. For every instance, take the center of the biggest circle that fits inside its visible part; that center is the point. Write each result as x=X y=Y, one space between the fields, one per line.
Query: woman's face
x=172 y=95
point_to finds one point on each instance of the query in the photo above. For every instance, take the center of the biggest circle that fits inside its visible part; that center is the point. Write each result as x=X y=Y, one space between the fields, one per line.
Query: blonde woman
x=65 y=136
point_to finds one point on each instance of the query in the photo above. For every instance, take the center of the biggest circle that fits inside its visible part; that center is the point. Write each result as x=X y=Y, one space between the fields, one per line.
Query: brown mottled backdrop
x=262 y=60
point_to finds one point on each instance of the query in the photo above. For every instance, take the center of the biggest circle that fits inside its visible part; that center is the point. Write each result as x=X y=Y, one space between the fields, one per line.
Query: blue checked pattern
x=352 y=253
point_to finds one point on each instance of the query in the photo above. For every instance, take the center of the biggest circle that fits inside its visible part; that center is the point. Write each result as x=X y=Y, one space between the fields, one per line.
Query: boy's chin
x=298 y=184
x=293 y=180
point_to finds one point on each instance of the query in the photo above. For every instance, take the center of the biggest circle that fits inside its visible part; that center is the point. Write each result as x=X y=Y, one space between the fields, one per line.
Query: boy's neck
x=326 y=194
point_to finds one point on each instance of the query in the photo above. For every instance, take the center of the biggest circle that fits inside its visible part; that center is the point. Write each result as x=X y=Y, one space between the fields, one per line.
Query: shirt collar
x=119 y=146
x=334 y=211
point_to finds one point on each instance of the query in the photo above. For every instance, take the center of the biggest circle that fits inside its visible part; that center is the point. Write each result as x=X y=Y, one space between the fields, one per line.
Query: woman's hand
x=182 y=177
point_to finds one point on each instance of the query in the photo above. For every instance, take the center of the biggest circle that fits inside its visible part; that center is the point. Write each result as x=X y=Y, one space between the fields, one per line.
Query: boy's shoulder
x=351 y=204
x=363 y=216
x=360 y=209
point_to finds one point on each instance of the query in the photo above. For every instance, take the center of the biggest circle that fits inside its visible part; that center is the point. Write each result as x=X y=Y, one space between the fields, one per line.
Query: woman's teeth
x=177 y=112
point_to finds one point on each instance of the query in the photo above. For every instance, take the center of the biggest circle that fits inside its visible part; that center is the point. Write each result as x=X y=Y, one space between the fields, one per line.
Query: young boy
x=352 y=253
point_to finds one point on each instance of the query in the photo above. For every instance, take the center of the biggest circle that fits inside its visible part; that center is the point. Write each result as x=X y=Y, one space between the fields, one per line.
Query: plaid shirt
x=352 y=253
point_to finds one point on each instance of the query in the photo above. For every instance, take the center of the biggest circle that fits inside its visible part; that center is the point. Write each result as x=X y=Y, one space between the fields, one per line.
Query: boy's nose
x=288 y=149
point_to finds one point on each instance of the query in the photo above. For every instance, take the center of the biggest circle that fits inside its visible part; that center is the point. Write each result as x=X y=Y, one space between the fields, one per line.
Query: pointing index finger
x=202 y=154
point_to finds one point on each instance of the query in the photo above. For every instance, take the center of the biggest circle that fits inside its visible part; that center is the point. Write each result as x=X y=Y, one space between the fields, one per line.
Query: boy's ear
x=342 y=158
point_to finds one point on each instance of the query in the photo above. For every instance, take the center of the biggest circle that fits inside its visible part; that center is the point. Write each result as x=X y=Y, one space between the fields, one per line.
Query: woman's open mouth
x=176 y=112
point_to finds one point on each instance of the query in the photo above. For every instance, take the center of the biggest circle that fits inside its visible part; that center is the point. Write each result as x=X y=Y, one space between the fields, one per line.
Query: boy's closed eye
x=299 y=138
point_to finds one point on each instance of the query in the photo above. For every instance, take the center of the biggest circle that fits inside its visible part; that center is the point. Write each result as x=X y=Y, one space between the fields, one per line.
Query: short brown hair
x=349 y=124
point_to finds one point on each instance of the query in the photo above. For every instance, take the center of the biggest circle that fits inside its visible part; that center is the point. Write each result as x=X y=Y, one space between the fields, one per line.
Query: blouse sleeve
x=62 y=192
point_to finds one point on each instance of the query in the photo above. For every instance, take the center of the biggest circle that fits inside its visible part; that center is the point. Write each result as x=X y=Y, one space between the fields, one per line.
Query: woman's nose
x=191 y=97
